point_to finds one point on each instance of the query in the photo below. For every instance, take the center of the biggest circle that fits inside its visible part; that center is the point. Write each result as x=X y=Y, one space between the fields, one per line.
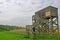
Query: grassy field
x=15 y=36
x=12 y=36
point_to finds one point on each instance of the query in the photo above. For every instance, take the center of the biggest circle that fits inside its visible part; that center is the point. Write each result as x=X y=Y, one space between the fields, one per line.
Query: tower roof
x=46 y=8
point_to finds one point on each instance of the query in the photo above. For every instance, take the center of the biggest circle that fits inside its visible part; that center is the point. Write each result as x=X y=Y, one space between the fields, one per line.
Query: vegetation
x=15 y=36
x=20 y=34
x=11 y=36
x=19 y=27
x=6 y=28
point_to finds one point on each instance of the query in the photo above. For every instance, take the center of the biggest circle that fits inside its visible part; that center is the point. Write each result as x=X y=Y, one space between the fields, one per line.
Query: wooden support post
x=51 y=25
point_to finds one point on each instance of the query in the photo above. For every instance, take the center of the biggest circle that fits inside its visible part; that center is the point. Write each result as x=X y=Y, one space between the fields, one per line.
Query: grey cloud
x=19 y=12
x=18 y=21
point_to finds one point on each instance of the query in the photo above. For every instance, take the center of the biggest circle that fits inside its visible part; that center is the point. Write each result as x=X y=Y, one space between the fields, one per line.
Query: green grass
x=15 y=36
x=48 y=37
x=12 y=36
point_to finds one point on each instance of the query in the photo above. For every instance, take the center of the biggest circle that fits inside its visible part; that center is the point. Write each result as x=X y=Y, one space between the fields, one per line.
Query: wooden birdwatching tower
x=46 y=20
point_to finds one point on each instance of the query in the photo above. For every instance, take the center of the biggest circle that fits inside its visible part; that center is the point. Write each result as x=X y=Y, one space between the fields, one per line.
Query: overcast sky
x=19 y=12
